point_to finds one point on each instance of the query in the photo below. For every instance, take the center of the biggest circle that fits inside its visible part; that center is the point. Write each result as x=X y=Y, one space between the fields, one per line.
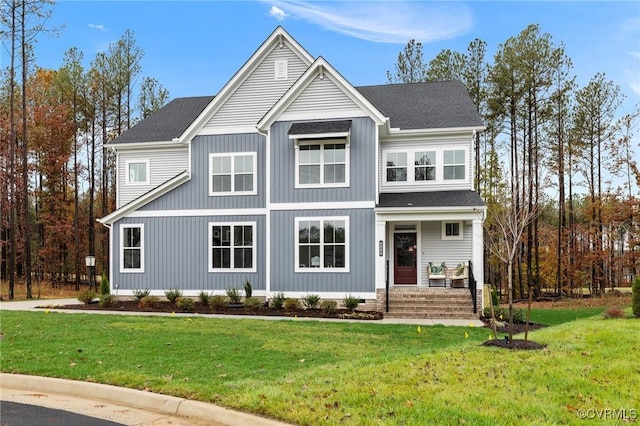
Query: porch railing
x=472 y=288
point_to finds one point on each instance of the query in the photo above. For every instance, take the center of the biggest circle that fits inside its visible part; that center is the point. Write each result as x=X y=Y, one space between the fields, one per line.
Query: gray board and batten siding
x=361 y=275
x=176 y=253
x=194 y=194
x=362 y=173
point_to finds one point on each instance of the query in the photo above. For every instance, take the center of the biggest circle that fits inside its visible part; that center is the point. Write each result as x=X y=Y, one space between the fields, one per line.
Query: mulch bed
x=199 y=308
x=514 y=344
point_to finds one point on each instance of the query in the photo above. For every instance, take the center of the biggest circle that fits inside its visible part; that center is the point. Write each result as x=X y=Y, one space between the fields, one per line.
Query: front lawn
x=317 y=373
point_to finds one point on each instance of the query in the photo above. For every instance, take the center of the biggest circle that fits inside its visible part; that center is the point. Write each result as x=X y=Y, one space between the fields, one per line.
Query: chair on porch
x=437 y=272
x=458 y=275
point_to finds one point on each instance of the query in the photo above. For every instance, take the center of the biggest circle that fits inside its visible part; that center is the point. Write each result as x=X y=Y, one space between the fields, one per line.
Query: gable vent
x=281 y=69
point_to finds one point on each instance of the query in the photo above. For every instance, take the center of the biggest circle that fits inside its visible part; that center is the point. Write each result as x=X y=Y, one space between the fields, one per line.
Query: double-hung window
x=396 y=167
x=322 y=163
x=132 y=248
x=232 y=173
x=232 y=247
x=322 y=244
x=424 y=165
x=454 y=164
x=137 y=172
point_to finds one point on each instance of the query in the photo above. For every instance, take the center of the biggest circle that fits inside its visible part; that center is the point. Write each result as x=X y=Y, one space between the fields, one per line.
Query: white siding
x=163 y=165
x=257 y=94
x=438 y=144
x=322 y=96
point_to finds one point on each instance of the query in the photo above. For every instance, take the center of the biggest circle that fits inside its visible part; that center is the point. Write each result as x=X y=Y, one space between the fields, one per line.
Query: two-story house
x=297 y=181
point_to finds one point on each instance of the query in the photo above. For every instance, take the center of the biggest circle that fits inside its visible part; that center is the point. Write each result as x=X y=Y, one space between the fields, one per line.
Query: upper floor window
x=425 y=165
x=322 y=163
x=232 y=173
x=396 y=167
x=132 y=248
x=421 y=166
x=454 y=164
x=322 y=244
x=137 y=172
x=232 y=247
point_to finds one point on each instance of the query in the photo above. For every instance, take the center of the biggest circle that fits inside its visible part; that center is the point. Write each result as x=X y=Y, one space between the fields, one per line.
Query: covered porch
x=429 y=262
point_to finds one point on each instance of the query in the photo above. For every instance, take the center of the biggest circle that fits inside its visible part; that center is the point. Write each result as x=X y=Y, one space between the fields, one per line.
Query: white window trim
x=460 y=236
x=233 y=192
x=439 y=166
x=464 y=163
x=347 y=161
x=124 y=270
x=144 y=161
x=322 y=268
x=210 y=247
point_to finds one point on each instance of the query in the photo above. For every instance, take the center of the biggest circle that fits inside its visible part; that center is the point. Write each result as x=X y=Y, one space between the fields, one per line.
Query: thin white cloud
x=384 y=22
x=277 y=13
x=97 y=27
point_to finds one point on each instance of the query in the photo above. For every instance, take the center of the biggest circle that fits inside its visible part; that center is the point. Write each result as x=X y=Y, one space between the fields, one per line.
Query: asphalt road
x=16 y=414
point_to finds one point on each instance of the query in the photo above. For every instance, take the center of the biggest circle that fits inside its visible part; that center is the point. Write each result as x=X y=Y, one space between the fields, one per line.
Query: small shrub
x=86 y=296
x=104 y=285
x=351 y=302
x=172 y=294
x=149 y=302
x=494 y=297
x=613 y=313
x=139 y=294
x=329 y=306
x=252 y=303
x=234 y=295
x=635 y=300
x=311 y=301
x=291 y=304
x=204 y=297
x=502 y=314
x=277 y=300
x=107 y=300
x=185 y=304
x=218 y=302
x=248 y=291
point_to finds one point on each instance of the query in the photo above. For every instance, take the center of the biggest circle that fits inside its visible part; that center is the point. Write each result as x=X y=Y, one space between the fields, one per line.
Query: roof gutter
x=175 y=143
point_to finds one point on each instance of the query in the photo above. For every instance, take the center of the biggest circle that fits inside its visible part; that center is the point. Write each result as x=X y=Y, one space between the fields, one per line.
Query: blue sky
x=195 y=47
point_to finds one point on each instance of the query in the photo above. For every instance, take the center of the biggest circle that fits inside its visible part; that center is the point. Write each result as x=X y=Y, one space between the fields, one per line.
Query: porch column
x=477 y=256
x=380 y=253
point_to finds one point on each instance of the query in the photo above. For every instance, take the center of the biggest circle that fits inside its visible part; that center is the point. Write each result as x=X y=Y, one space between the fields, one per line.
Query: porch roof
x=430 y=199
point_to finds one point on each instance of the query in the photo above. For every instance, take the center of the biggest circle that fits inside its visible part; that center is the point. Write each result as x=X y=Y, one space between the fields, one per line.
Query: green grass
x=321 y=373
x=555 y=316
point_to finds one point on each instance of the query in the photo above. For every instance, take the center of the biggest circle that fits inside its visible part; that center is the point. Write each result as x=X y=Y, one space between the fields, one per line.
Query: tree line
x=555 y=158
x=57 y=174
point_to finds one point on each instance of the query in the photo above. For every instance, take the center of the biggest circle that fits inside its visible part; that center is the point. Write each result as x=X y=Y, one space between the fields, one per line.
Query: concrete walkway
x=132 y=407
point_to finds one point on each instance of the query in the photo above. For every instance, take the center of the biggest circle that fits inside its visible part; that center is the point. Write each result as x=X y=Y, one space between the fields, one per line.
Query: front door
x=405 y=269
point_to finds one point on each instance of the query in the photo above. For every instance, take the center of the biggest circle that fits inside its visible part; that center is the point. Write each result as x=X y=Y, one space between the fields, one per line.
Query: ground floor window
x=232 y=247
x=322 y=244
x=451 y=230
x=132 y=248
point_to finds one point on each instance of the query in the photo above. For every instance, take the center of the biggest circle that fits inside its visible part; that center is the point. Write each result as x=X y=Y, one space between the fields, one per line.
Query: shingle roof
x=429 y=105
x=316 y=127
x=431 y=199
x=167 y=123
